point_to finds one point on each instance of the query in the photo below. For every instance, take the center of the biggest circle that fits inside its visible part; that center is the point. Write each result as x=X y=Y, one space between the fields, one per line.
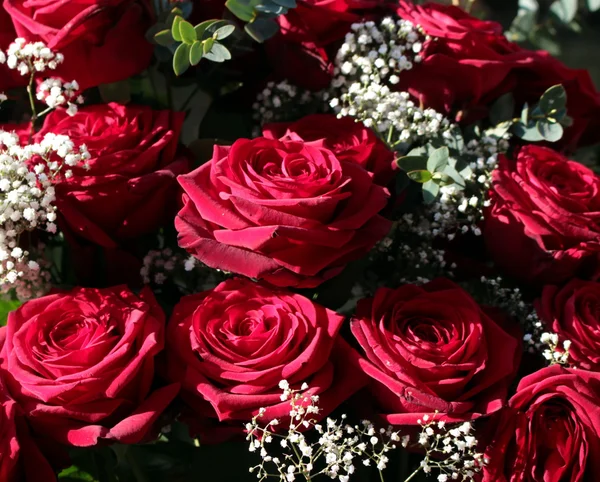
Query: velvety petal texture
x=131 y=186
x=551 y=430
x=431 y=349
x=573 y=313
x=348 y=139
x=81 y=364
x=231 y=346
x=543 y=225
x=286 y=211
x=102 y=41
x=468 y=63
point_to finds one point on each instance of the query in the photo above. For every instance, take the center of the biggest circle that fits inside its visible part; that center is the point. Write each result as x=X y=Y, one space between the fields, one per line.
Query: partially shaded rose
x=550 y=432
x=573 y=313
x=231 y=346
x=81 y=365
x=130 y=187
x=431 y=349
x=543 y=225
x=288 y=212
x=348 y=139
x=102 y=42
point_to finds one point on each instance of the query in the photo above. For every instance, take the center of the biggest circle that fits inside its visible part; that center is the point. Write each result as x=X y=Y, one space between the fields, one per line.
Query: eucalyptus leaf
x=224 y=32
x=262 y=29
x=196 y=52
x=271 y=8
x=503 y=109
x=218 y=53
x=181 y=59
x=527 y=133
x=164 y=38
x=565 y=10
x=6 y=306
x=555 y=98
x=188 y=34
x=442 y=179
x=175 y=32
x=75 y=474
x=412 y=163
x=550 y=131
x=430 y=192
x=438 y=159
x=285 y=3
x=241 y=10
x=421 y=176
x=593 y=5
x=207 y=45
x=202 y=27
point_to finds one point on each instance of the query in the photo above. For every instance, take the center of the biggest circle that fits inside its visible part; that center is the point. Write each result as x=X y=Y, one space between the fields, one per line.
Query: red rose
x=81 y=364
x=102 y=42
x=573 y=313
x=231 y=346
x=130 y=188
x=432 y=349
x=304 y=49
x=544 y=222
x=20 y=459
x=468 y=64
x=285 y=211
x=347 y=139
x=551 y=430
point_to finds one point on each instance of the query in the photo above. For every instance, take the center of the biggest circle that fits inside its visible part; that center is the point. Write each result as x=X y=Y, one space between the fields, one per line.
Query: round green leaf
x=224 y=32
x=202 y=27
x=552 y=132
x=196 y=52
x=164 y=38
x=188 y=34
x=421 y=176
x=438 y=159
x=412 y=163
x=555 y=98
x=175 y=32
x=218 y=53
x=181 y=59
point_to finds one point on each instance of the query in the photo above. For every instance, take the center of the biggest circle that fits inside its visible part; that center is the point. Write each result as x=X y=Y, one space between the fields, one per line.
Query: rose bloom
x=81 y=364
x=231 y=346
x=288 y=212
x=20 y=459
x=347 y=139
x=469 y=63
x=102 y=42
x=304 y=49
x=543 y=225
x=130 y=187
x=551 y=430
x=573 y=313
x=432 y=350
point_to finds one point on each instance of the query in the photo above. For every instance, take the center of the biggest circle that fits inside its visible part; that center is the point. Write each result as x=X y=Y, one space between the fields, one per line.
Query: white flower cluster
x=30 y=57
x=158 y=264
x=55 y=93
x=337 y=449
x=392 y=115
x=35 y=276
x=451 y=451
x=282 y=101
x=27 y=175
x=378 y=53
x=555 y=354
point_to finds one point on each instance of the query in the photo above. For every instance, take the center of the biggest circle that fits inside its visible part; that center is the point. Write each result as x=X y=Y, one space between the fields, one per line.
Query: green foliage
x=190 y=44
x=260 y=15
x=6 y=306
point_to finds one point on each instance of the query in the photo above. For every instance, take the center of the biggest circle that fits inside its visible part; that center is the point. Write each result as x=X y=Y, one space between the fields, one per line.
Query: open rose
x=347 y=139
x=102 y=42
x=543 y=225
x=20 y=459
x=573 y=313
x=130 y=187
x=289 y=212
x=469 y=63
x=81 y=365
x=551 y=430
x=231 y=346
x=433 y=349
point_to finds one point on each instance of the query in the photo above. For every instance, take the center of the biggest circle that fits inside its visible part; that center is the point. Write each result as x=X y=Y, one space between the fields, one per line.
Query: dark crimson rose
x=20 y=459
x=469 y=63
x=231 y=346
x=551 y=430
x=431 y=349
x=573 y=313
x=543 y=225
x=102 y=41
x=304 y=48
x=348 y=139
x=288 y=212
x=130 y=187
x=81 y=365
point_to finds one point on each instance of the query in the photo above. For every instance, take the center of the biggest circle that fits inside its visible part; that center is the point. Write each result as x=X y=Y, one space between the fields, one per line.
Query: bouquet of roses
x=325 y=239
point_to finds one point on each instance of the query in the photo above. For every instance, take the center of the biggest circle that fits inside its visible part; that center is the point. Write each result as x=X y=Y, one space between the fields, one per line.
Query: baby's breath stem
x=31 y=103
x=413 y=475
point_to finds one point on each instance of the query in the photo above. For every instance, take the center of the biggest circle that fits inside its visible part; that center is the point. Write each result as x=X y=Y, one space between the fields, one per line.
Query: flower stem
x=411 y=476
x=31 y=102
